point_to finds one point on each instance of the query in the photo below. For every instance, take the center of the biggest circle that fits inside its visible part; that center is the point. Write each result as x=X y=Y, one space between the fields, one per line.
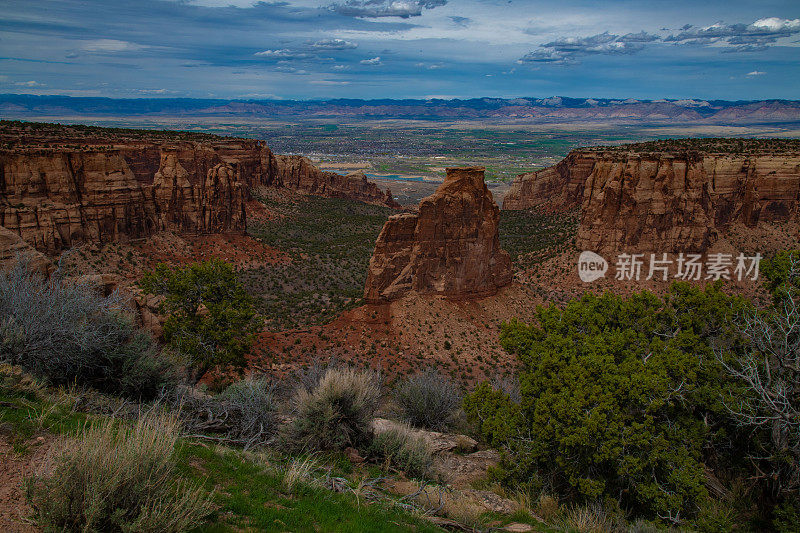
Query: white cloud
x=30 y=83
x=776 y=24
x=109 y=46
x=375 y=61
x=154 y=91
x=283 y=53
x=755 y=73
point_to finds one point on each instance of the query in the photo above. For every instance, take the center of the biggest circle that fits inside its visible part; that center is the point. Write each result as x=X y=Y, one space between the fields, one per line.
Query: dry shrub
x=428 y=400
x=335 y=414
x=64 y=332
x=308 y=378
x=117 y=477
x=252 y=406
x=245 y=413
x=14 y=380
x=402 y=449
x=458 y=506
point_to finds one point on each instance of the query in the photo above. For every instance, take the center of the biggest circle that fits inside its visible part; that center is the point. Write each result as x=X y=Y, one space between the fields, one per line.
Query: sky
x=320 y=49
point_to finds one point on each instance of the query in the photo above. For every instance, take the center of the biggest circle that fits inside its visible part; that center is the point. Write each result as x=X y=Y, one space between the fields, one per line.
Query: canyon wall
x=557 y=188
x=449 y=247
x=54 y=194
x=663 y=201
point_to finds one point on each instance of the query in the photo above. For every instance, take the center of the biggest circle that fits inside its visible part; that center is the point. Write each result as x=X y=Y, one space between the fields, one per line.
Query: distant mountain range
x=554 y=109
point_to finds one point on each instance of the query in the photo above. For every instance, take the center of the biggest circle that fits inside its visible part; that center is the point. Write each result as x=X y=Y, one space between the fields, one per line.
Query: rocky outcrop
x=676 y=201
x=14 y=249
x=212 y=205
x=113 y=186
x=450 y=247
x=298 y=173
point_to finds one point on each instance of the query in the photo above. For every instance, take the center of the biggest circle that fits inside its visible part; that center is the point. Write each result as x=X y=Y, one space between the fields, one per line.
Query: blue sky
x=307 y=49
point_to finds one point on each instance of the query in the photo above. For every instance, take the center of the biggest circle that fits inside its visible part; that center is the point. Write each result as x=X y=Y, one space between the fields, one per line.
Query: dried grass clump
x=440 y=501
x=547 y=507
x=116 y=477
x=300 y=470
x=590 y=518
x=335 y=414
x=400 y=448
x=428 y=400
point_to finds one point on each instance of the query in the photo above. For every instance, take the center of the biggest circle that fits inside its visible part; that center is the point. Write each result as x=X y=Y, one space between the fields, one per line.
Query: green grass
x=253 y=497
x=24 y=412
x=330 y=241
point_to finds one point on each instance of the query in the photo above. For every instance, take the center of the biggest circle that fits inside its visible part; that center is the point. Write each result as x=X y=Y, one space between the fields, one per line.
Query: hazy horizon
x=399 y=49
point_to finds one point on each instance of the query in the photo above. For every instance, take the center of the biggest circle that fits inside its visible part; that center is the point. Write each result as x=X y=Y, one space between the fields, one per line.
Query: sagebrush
x=428 y=400
x=337 y=413
x=118 y=477
x=400 y=448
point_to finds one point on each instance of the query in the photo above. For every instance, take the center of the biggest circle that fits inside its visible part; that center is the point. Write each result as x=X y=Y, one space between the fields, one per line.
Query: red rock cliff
x=664 y=201
x=450 y=247
x=54 y=193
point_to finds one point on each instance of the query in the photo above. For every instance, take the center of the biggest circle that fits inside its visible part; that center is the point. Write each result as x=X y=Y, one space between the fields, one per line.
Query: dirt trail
x=14 y=468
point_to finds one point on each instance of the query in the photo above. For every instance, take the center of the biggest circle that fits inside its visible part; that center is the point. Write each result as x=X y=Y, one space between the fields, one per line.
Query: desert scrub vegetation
x=531 y=237
x=337 y=413
x=330 y=242
x=725 y=145
x=245 y=413
x=248 y=489
x=607 y=384
x=62 y=330
x=119 y=477
x=212 y=321
x=645 y=403
x=428 y=400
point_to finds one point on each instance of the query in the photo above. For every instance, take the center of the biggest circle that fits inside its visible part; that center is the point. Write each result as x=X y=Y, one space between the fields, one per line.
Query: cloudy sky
x=305 y=49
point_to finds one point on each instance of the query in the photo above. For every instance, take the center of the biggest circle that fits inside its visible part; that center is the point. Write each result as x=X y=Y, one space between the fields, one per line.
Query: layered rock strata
x=54 y=195
x=678 y=201
x=449 y=247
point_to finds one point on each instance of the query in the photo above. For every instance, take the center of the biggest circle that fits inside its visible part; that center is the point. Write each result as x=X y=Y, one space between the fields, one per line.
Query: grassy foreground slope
x=250 y=491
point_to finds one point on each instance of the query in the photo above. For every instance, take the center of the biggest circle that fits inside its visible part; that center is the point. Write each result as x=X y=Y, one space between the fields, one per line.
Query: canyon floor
x=305 y=259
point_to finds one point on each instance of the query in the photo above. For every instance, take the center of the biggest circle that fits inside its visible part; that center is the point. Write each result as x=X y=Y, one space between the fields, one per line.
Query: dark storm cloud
x=333 y=44
x=731 y=37
x=739 y=37
x=461 y=21
x=385 y=8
